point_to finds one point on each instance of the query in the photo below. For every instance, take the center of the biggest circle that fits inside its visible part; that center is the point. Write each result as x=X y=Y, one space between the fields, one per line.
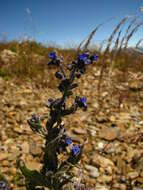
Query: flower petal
x=52 y=55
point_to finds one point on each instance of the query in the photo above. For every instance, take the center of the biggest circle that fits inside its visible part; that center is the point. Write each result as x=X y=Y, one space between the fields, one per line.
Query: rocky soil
x=113 y=124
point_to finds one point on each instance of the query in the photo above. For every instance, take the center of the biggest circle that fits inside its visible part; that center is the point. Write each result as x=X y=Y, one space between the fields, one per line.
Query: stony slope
x=112 y=157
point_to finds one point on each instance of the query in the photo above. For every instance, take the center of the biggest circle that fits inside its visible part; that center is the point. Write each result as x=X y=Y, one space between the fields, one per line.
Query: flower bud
x=59 y=75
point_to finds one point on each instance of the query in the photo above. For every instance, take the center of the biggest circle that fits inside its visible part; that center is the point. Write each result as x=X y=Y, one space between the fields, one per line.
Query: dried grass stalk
x=138 y=43
x=134 y=30
x=117 y=40
x=107 y=50
x=126 y=33
x=91 y=36
x=113 y=34
x=113 y=55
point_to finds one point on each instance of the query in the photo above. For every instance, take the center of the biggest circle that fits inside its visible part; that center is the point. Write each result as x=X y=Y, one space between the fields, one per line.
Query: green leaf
x=33 y=176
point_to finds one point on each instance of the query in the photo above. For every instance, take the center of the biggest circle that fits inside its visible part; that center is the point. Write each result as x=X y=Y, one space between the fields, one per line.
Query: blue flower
x=83 y=102
x=75 y=149
x=83 y=57
x=68 y=141
x=87 y=59
x=83 y=99
x=52 y=55
x=94 y=57
x=87 y=62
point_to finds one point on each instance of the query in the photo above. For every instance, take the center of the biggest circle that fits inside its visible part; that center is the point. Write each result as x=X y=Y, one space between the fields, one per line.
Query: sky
x=64 y=22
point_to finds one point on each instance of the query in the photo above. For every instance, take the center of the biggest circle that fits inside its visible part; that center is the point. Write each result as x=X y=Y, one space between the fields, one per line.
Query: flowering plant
x=53 y=174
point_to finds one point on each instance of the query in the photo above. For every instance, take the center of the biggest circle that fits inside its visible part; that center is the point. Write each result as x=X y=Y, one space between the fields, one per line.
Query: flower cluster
x=86 y=58
x=82 y=61
x=57 y=140
x=55 y=60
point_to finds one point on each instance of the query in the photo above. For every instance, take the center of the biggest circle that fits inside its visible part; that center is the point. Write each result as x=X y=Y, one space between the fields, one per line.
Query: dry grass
x=33 y=57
